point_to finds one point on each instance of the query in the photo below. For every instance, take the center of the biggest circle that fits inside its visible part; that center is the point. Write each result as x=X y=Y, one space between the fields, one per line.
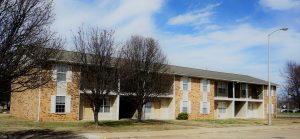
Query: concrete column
x=246 y=109
x=233 y=108
x=247 y=91
x=263 y=98
x=233 y=90
x=173 y=102
x=117 y=106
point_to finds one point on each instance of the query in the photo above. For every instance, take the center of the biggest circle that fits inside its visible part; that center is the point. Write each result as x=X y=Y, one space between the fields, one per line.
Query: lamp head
x=284 y=29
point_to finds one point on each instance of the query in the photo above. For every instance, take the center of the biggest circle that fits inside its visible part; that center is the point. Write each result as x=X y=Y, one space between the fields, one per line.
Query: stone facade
x=274 y=102
x=194 y=96
x=72 y=90
x=24 y=104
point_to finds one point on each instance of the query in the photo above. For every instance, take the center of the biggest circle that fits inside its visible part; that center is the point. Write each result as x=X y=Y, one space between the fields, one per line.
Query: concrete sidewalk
x=227 y=132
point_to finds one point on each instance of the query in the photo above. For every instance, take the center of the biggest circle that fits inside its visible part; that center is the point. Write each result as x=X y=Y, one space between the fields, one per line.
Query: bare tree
x=26 y=42
x=292 y=82
x=144 y=72
x=95 y=49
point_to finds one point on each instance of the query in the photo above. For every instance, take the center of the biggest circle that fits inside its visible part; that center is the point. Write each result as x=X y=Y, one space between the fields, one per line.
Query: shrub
x=182 y=116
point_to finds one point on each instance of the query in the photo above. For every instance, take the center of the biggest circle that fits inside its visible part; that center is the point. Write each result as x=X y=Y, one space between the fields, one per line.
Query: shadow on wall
x=45 y=133
x=127 y=108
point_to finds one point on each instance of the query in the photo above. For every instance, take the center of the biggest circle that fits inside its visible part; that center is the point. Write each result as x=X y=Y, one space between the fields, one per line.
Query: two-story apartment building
x=202 y=94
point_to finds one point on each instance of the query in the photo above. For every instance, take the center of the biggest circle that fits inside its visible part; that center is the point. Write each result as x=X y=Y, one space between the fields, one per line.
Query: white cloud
x=243 y=19
x=126 y=17
x=220 y=48
x=242 y=49
x=280 y=4
x=198 y=17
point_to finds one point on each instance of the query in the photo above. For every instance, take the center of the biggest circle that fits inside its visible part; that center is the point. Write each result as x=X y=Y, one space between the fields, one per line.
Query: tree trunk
x=96 y=116
x=140 y=112
x=96 y=109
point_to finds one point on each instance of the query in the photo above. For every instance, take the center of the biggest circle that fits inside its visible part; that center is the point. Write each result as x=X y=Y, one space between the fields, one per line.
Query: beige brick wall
x=195 y=96
x=265 y=91
x=72 y=90
x=24 y=104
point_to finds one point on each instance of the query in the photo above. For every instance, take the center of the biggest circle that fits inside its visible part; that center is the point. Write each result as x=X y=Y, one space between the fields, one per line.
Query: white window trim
x=67 y=104
x=188 y=83
x=68 y=73
x=204 y=93
x=57 y=72
x=207 y=85
x=188 y=106
x=207 y=107
x=103 y=112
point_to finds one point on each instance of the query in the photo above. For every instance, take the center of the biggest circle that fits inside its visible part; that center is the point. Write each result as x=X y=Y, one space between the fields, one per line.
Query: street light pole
x=269 y=82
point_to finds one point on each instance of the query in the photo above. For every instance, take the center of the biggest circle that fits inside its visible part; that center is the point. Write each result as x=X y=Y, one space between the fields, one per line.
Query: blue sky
x=220 y=35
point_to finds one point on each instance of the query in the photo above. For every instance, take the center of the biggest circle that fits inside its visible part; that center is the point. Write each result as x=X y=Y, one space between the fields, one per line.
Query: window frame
x=61 y=70
x=222 y=85
x=222 y=106
x=63 y=104
x=148 y=107
x=204 y=107
x=243 y=90
x=205 y=85
x=185 y=85
x=106 y=104
x=185 y=107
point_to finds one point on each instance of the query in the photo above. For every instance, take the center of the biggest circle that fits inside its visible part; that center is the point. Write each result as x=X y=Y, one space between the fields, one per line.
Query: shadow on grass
x=45 y=133
x=128 y=122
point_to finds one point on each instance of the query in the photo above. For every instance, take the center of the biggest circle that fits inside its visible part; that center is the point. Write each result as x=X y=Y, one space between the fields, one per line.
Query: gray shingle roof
x=216 y=75
x=68 y=56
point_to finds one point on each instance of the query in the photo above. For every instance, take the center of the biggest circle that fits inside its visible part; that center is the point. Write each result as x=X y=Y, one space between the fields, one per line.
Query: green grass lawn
x=8 y=124
x=288 y=115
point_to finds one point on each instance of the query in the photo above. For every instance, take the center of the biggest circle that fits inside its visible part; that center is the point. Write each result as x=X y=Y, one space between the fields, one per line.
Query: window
x=243 y=89
x=185 y=84
x=205 y=85
x=185 y=106
x=105 y=106
x=222 y=107
x=148 y=107
x=60 y=104
x=204 y=108
x=222 y=89
x=61 y=73
x=205 y=89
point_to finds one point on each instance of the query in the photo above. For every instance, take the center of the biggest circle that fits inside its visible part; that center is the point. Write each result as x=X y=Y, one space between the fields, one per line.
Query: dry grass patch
x=10 y=124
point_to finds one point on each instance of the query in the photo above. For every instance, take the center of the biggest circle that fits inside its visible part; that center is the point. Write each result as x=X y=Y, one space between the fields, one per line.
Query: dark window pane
x=61 y=76
x=60 y=104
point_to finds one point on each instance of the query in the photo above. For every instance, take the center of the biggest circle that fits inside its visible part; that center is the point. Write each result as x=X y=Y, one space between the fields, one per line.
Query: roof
x=68 y=56
x=193 y=72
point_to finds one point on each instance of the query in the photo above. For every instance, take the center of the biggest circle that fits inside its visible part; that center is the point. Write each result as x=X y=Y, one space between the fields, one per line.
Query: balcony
x=255 y=92
x=238 y=91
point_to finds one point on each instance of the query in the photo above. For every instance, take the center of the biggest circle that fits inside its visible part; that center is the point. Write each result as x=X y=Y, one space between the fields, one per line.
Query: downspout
x=118 y=100
x=39 y=99
x=39 y=105
x=174 y=98
x=233 y=102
